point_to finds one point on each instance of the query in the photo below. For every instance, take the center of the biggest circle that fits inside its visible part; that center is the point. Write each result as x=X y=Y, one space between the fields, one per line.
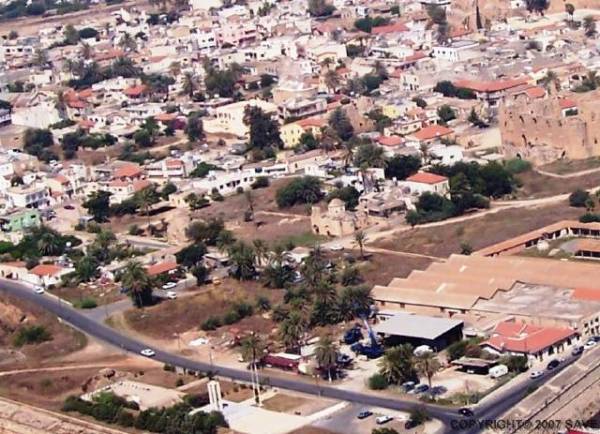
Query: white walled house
x=422 y=182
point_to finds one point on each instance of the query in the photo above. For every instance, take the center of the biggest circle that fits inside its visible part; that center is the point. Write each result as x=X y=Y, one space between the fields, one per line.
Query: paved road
x=490 y=409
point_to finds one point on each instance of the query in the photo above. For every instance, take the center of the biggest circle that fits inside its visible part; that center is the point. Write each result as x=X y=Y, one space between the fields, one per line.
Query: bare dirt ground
x=536 y=185
x=444 y=240
x=571 y=166
x=380 y=268
x=16 y=313
x=188 y=313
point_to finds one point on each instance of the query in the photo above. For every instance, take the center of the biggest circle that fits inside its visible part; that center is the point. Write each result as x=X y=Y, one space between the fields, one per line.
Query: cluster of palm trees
x=400 y=364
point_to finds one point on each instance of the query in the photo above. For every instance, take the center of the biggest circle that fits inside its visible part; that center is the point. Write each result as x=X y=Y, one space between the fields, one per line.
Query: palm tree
x=326 y=354
x=86 y=50
x=251 y=347
x=87 y=268
x=291 y=330
x=175 y=68
x=570 y=10
x=225 y=240
x=551 y=80
x=48 y=244
x=589 y=26
x=261 y=251
x=127 y=42
x=360 y=238
x=145 y=198
x=348 y=148
x=427 y=364
x=135 y=278
x=332 y=80
x=327 y=62
x=243 y=259
x=397 y=364
x=189 y=84
x=60 y=103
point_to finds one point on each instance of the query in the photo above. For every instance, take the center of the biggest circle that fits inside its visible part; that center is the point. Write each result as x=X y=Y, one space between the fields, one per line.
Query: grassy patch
x=306 y=239
x=561 y=167
x=86 y=303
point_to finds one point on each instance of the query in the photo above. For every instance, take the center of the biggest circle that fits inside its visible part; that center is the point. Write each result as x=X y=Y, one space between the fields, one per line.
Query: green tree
x=242 y=258
x=87 y=268
x=538 y=6
x=326 y=355
x=299 y=190
x=264 y=131
x=291 y=331
x=589 y=26
x=570 y=10
x=369 y=155
x=206 y=232
x=427 y=364
x=49 y=244
x=446 y=113
x=194 y=128
x=339 y=122
x=252 y=347
x=320 y=8
x=98 y=205
x=191 y=255
x=402 y=166
x=397 y=364
x=579 y=198
x=355 y=301
x=145 y=198
x=136 y=280
x=71 y=35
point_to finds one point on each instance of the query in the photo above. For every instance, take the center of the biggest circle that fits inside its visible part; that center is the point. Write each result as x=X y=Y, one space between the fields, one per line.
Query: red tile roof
x=127 y=171
x=567 y=103
x=426 y=178
x=586 y=294
x=390 y=140
x=519 y=337
x=311 y=122
x=141 y=184
x=390 y=28
x=134 y=91
x=490 y=86
x=161 y=267
x=536 y=92
x=165 y=117
x=46 y=270
x=431 y=132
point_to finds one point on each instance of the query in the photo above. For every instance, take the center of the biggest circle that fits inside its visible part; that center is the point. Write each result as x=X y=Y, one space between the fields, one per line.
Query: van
x=498 y=371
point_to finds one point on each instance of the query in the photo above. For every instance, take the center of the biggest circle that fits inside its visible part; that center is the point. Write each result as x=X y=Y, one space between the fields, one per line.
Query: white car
x=38 y=290
x=171 y=295
x=536 y=374
x=383 y=419
x=169 y=285
x=147 y=352
x=590 y=344
x=336 y=248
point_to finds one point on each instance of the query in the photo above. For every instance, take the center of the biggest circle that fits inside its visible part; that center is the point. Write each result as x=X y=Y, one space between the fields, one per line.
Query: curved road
x=490 y=409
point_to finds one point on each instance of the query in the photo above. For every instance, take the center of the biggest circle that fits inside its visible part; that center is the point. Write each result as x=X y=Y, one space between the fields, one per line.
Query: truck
x=285 y=361
x=373 y=349
x=498 y=371
x=352 y=335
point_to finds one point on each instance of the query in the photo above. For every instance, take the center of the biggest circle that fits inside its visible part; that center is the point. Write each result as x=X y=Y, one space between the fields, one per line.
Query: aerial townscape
x=299 y=216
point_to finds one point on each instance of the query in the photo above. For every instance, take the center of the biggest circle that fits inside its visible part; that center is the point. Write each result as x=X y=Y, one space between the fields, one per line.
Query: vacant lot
x=16 y=314
x=571 y=166
x=490 y=229
x=536 y=185
x=380 y=268
x=188 y=313
x=102 y=294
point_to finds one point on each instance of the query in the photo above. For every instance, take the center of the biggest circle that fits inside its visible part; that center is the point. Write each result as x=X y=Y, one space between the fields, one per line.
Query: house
x=28 y=196
x=46 y=275
x=519 y=338
x=229 y=119
x=422 y=182
x=430 y=134
x=165 y=267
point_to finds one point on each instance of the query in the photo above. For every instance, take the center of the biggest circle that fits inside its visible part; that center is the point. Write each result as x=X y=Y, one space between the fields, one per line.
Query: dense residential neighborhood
x=299 y=216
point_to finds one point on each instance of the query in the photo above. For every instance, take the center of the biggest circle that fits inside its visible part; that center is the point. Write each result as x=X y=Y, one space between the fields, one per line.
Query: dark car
x=553 y=364
x=68 y=207
x=364 y=414
x=410 y=424
x=577 y=351
x=466 y=412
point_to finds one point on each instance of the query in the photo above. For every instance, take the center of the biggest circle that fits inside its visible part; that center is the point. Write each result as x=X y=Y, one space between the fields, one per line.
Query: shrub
x=377 y=382
x=579 y=198
x=125 y=419
x=231 y=317
x=300 y=190
x=31 y=335
x=517 y=165
x=244 y=309
x=168 y=368
x=211 y=323
x=589 y=217
x=88 y=303
x=179 y=382
x=196 y=400
x=260 y=182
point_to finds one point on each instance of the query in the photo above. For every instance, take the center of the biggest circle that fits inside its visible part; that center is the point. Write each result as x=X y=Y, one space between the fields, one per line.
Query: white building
x=230 y=118
x=32 y=196
x=422 y=182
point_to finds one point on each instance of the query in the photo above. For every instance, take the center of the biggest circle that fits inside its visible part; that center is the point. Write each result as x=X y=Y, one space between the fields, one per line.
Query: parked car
x=410 y=424
x=69 y=207
x=536 y=374
x=437 y=390
x=419 y=388
x=147 y=352
x=466 y=412
x=553 y=364
x=590 y=344
x=408 y=386
x=383 y=419
x=364 y=414
x=38 y=290
x=169 y=285
x=578 y=350
x=171 y=295
x=336 y=248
